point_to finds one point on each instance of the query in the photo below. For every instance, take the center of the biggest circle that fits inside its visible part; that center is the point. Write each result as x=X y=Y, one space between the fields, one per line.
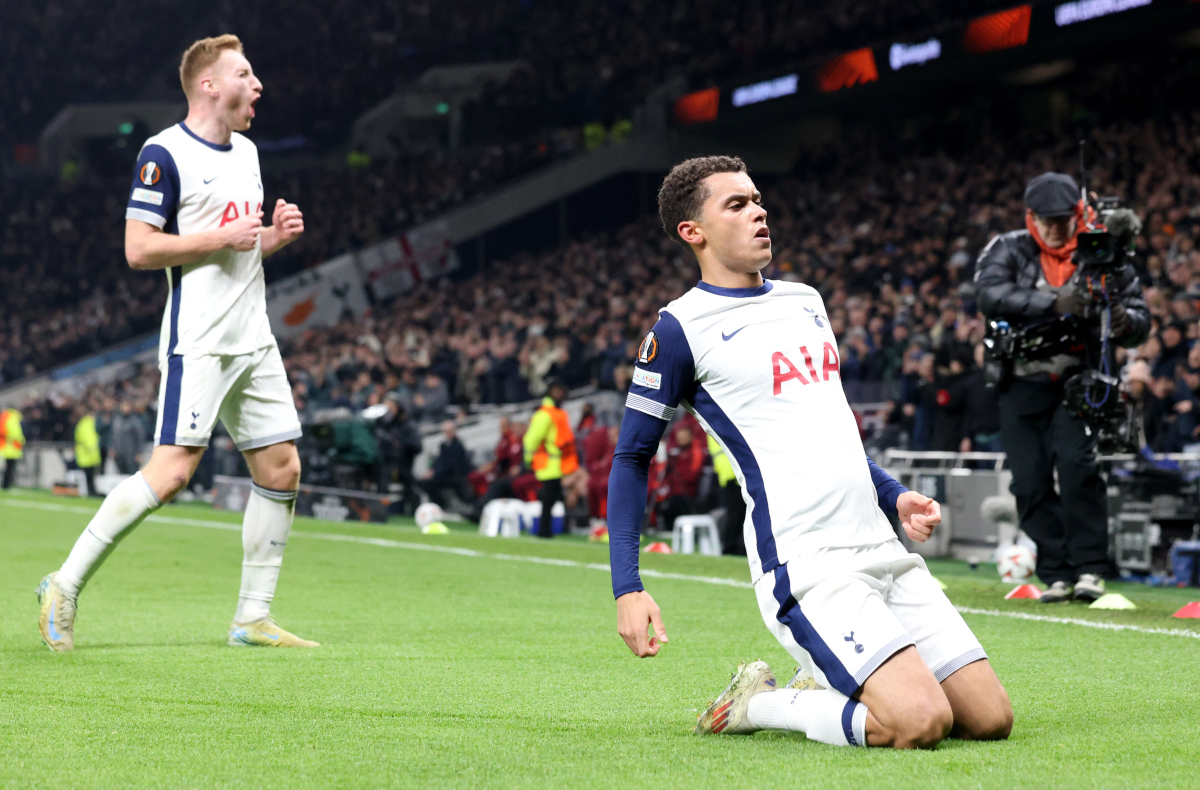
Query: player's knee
x=289 y=472
x=282 y=471
x=996 y=724
x=925 y=725
x=179 y=473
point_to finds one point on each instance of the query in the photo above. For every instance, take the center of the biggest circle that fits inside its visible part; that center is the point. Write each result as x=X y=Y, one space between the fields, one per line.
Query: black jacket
x=1006 y=277
x=452 y=462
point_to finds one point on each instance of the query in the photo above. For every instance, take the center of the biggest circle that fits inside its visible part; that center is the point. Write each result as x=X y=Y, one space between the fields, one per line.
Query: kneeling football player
x=885 y=659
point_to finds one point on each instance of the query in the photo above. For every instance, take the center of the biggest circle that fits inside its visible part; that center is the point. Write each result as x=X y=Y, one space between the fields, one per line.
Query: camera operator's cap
x=1052 y=195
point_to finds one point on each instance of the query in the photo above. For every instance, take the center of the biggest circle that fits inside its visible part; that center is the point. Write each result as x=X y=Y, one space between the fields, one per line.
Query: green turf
x=442 y=669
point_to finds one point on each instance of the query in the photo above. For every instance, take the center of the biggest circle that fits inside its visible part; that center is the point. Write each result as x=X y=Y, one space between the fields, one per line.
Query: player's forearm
x=888 y=488
x=273 y=241
x=157 y=250
x=627 y=486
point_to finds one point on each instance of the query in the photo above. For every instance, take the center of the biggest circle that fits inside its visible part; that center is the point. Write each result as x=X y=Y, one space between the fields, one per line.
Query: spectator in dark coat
x=399 y=445
x=981 y=411
x=128 y=440
x=1174 y=350
x=448 y=475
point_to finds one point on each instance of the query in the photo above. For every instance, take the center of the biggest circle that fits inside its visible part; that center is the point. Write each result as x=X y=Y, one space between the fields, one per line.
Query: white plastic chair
x=501 y=518
x=696 y=533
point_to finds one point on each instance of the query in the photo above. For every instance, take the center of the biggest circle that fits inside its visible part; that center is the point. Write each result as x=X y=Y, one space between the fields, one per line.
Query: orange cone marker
x=1191 y=611
x=1024 y=591
x=658 y=547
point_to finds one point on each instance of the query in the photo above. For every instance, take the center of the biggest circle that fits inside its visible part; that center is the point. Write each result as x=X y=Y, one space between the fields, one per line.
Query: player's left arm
x=628 y=484
x=918 y=514
x=287 y=223
x=664 y=376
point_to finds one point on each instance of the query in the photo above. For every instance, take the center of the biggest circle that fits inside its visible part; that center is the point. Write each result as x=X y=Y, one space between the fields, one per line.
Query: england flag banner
x=398 y=265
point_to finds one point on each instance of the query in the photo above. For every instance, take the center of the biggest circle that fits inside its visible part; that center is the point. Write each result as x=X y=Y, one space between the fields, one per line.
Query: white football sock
x=122 y=510
x=824 y=715
x=264 y=535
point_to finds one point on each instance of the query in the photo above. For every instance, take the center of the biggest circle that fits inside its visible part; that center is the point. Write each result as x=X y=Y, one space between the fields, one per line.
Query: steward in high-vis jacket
x=550 y=451
x=1026 y=277
x=12 y=444
x=87 y=449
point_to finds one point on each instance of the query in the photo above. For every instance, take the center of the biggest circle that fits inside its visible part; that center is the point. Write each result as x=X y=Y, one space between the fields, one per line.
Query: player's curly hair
x=683 y=191
x=202 y=54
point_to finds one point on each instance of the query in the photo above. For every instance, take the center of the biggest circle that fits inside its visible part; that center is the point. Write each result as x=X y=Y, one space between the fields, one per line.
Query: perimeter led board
x=765 y=91
x=846 y=71
x=698 y=106
x=901 y=55
x=1001 y=30
x=1085 y=10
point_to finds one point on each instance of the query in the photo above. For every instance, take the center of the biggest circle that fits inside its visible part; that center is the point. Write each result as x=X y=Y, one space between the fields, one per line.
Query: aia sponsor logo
x=231 y=211
x=784 y=369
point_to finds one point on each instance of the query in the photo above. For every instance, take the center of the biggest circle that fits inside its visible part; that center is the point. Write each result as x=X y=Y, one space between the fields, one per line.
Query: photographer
x=1027 y=277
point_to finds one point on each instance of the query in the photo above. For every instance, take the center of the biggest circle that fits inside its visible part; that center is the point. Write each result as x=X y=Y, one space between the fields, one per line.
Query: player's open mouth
x=763 y=233
x=252 y=103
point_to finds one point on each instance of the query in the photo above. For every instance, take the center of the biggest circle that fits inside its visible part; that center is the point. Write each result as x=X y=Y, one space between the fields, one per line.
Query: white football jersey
x=759 y=369
x=184 y=185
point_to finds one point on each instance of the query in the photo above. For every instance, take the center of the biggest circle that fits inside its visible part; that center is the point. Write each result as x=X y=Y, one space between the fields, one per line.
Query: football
x=1016 y=563
x=428 y=513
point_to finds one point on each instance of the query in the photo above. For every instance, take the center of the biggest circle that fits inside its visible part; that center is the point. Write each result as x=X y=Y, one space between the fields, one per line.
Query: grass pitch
x=444 y=668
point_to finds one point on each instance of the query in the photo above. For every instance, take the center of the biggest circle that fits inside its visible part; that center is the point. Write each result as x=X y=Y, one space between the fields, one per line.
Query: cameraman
x=1027 y=277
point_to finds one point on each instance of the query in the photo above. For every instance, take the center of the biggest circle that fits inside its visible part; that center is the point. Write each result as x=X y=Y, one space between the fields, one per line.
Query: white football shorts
x=248 y=392
x=861 y=608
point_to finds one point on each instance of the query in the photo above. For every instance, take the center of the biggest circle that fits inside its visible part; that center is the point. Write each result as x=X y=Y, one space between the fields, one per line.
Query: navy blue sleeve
x=664 y=375
x=888 y=487
x=627 y=489
x=154 y=196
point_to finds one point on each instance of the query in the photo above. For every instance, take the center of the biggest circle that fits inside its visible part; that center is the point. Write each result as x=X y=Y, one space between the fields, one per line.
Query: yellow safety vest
x=87 y=443
x=550 y=443
x=721 y=463
x=12 y=439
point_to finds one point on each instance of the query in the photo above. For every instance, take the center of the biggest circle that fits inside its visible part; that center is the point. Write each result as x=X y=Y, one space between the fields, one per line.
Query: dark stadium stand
x=886 y=227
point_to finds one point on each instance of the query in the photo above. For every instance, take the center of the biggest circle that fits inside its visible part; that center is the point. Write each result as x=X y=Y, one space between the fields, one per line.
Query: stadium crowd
x=66 y=291
x=888 y=236
x=62 y=245
x=892 y=249
x=590 y=60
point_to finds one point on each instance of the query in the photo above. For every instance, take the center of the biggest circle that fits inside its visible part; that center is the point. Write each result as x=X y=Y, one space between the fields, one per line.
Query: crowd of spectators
x=888 y=236
x=64 y=288
x=325 y=63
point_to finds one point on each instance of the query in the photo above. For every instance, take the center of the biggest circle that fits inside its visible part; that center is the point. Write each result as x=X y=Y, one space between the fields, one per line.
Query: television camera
x=1095 y=395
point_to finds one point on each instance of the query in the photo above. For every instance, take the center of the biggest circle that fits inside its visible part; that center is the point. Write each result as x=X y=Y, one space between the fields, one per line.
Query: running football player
x=195 y=211
x=885 y=659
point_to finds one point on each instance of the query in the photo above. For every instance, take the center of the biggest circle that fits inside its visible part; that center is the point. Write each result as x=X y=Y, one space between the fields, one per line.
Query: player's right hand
x=637 y=614
x=242 y=234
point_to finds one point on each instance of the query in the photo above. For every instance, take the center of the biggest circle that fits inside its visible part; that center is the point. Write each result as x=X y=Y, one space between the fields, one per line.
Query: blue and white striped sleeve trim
x=647 y=406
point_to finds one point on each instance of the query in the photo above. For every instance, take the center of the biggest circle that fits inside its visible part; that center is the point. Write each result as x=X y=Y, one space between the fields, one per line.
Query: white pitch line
x=1042 y=618
x=595 y=566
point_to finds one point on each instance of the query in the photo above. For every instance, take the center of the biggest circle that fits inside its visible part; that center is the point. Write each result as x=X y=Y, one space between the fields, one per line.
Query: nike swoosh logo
x=210 y=180
x=53 y=631
x=271 y=636
x=731 y=334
